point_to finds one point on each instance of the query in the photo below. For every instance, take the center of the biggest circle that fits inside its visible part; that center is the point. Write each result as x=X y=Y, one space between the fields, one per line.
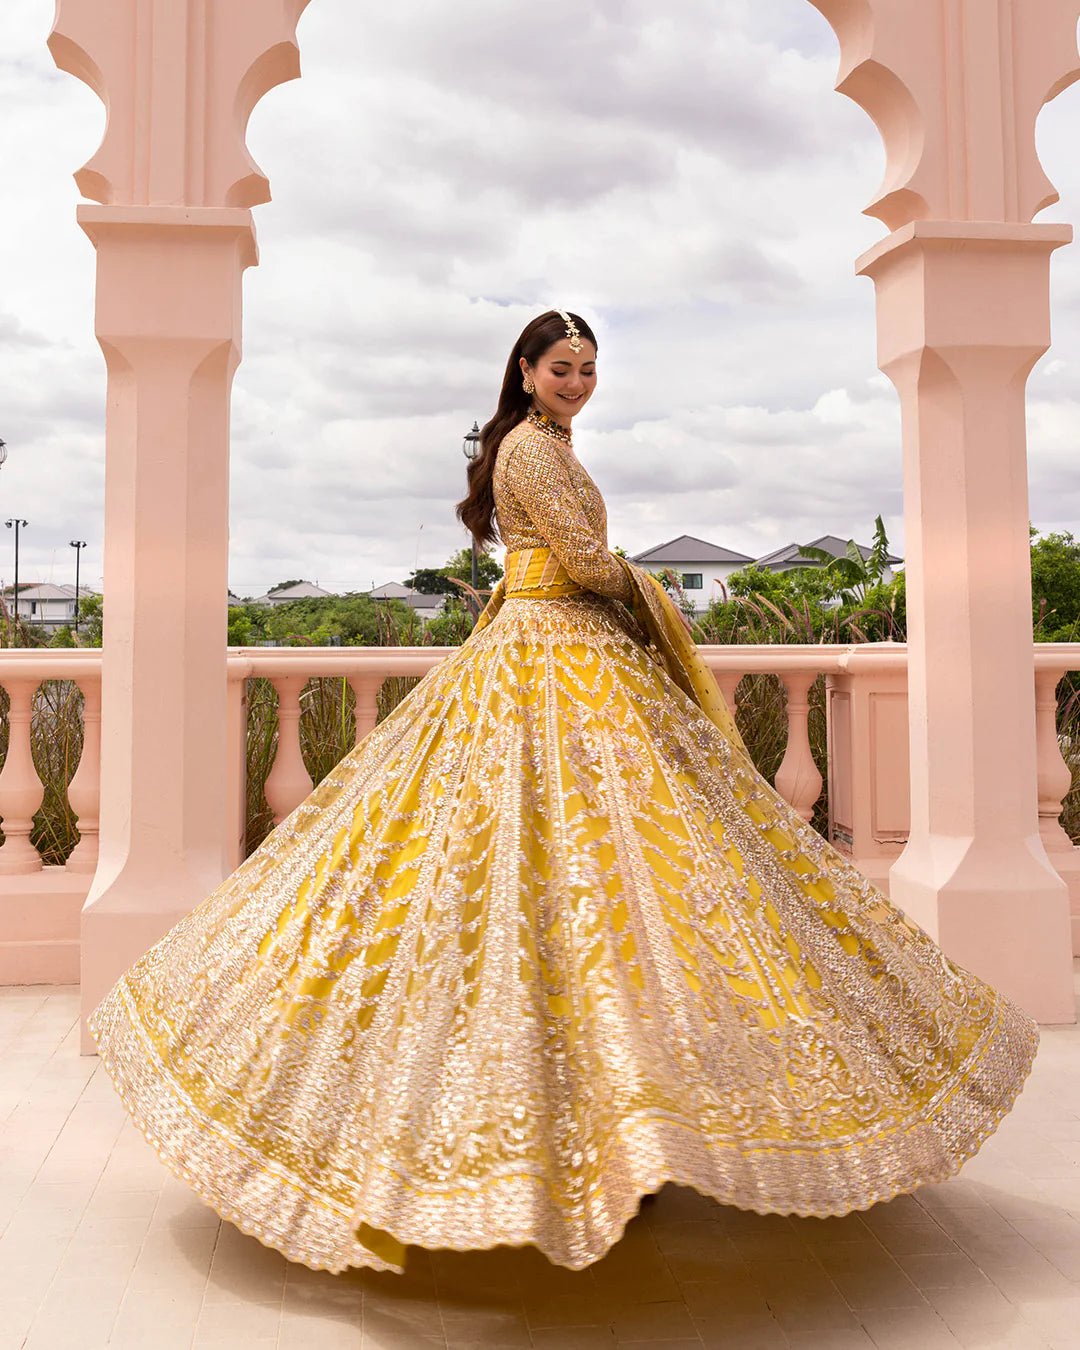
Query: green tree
x=1055 y=585
x=488 y=571
x=431 y=581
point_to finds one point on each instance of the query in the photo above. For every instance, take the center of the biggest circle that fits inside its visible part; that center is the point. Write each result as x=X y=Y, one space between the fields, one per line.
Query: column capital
x=180 y=79
x=936 y=77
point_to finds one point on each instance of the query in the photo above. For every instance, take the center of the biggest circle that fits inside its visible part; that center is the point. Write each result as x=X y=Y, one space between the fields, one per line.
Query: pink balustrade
x=866 y=705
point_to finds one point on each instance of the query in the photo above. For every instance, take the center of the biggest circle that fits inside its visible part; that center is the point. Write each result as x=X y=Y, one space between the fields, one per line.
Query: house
x=302 y=590
x=701 y=566
x=791 y=556
x=46 y=605
x=426 y=606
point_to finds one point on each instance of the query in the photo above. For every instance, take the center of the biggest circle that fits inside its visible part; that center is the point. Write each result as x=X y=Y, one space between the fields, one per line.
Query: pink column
x=962 y=284
x=173 y=236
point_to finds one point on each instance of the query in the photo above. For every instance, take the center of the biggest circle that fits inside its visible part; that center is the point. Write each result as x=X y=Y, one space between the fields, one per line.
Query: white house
x=426 y=606
x=791 y=556
x=46 y=605
x=303 y=590
x=702 y=567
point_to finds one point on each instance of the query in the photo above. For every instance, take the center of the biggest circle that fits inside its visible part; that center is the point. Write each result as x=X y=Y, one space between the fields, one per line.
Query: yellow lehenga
x=543 y=941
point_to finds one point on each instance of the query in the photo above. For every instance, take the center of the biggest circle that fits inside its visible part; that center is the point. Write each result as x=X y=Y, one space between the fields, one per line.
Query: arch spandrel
x=179 y=80
x=933 y=77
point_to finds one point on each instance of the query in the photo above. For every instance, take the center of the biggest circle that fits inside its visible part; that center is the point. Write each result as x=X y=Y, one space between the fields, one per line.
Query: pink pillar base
x=996 y=912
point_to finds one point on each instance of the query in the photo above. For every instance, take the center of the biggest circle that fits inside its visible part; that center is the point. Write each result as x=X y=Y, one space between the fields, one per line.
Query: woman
x=546 y=939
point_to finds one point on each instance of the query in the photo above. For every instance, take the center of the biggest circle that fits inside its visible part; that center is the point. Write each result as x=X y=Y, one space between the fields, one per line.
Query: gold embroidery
x=542 y=941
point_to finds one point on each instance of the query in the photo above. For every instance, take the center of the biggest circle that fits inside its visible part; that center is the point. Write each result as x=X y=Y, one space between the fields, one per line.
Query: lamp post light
x=471 y=449
x=16 y=524
x=78 y=545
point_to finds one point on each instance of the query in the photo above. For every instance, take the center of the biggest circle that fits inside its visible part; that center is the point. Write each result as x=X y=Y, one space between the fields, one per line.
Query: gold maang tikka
x=571 y=330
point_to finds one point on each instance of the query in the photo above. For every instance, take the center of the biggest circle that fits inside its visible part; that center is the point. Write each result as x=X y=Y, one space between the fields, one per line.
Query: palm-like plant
x=852 y=576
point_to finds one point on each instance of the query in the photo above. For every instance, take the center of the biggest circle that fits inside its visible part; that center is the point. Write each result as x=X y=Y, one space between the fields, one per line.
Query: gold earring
x=528 y=385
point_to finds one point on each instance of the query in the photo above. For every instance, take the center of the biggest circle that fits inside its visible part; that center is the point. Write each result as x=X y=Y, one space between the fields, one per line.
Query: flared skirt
x=543 y=941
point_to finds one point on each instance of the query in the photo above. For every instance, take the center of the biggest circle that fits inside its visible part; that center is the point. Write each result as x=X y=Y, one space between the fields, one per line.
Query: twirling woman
x=545 y=939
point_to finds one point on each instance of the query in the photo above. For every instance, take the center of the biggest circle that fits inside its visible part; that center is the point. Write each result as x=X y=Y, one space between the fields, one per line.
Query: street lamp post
x=78 y=545
x=471 y=449
x=16 y=524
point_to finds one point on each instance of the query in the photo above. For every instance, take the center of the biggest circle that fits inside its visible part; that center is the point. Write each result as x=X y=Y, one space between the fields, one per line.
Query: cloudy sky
x=443 y=172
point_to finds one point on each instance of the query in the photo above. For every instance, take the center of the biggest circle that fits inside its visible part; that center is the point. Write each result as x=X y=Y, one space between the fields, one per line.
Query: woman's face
x=564 y=379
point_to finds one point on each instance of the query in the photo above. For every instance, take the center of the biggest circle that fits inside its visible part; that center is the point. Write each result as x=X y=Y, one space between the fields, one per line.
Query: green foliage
x=849 y=578
x=451 y=627
x=284 y=585
x=430 y=581
x=488 y=571
x=1055 y=587
x=91 y=621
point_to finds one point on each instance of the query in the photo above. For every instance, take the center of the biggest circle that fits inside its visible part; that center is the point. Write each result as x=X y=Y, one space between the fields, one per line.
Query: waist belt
x=536 y=574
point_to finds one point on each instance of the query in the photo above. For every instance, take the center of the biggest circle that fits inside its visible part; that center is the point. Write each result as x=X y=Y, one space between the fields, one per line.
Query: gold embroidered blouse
x=545 y=497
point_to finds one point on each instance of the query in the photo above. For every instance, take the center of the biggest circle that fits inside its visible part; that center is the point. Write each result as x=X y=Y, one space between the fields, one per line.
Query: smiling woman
x=546 y=940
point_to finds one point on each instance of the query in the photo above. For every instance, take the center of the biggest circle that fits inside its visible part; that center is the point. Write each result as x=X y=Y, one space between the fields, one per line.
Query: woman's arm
x=540 y=481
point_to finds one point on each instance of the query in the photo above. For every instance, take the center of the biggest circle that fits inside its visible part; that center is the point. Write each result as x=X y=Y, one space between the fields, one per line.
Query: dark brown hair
x=477 y=509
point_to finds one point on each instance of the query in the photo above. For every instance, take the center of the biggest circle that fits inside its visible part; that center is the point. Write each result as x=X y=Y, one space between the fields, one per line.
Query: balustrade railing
x=865 y=693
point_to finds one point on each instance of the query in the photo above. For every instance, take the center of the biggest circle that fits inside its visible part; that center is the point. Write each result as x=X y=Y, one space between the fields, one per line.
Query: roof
x=688 y=549
x=303 y=590
x=394 y=590
x=791 y=555
x=47 y=590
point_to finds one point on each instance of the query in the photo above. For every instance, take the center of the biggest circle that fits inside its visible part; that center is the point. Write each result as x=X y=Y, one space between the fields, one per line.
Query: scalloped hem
x=824 y=1180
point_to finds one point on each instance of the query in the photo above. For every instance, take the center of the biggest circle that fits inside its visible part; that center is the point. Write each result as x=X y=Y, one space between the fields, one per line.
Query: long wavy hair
x=476 y=510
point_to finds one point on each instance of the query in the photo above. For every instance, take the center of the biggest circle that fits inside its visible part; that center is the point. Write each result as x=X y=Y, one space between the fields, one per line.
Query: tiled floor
x=99 y=1246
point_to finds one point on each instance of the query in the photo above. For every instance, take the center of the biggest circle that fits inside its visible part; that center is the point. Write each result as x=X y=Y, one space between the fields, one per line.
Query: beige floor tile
x=589 y=1308
x=940 y=1270
x=743 y=1333
x=907 y=1329
x=667 y=1343
x=228 y=1323
x=574 y=1338
x=813 y=1312
x=1011 y=1333
x=917 y=1238
x=732 y=1294
x=162 y=1319
x=406 y=1320
x=654 y=1321
x=311 y=1332
x=61 y=1328
x=830 y=1340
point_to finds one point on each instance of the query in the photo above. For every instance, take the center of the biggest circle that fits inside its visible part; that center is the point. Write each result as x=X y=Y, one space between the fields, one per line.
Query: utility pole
x=16 y=524
x=78 y=545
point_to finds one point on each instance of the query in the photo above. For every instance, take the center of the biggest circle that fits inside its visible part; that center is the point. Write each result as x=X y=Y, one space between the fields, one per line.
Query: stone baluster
x=729 y=682
x=1054 y=775
x=20 y=787
x=84 y=790
x=288 y=782
x=797 y=779
x=366 y=688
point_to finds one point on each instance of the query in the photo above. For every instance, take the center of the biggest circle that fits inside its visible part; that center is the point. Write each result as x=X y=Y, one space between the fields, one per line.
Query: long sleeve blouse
x=545 y=498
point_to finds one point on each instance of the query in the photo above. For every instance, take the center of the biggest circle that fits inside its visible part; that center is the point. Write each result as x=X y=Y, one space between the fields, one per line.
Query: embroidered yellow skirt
x=543 y=941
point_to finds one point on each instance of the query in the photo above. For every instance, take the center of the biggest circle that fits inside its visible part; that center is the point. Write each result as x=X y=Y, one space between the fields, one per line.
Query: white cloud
x=440 y=174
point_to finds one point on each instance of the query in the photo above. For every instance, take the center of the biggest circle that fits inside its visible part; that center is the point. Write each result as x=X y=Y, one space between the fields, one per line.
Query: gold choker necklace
x=548 y=424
